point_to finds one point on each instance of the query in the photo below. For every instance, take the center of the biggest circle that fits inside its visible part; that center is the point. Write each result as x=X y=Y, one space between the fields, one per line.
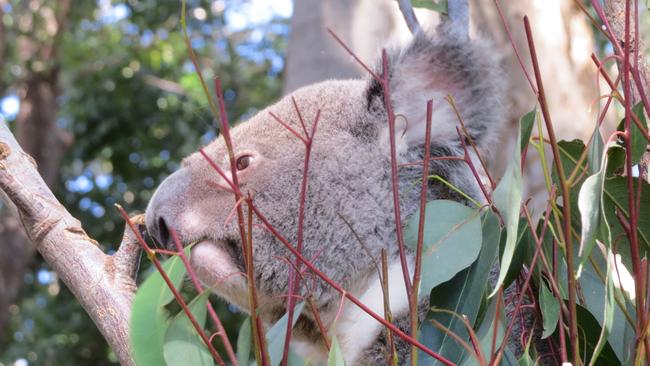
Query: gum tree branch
x=103 y=284
x=411 y=20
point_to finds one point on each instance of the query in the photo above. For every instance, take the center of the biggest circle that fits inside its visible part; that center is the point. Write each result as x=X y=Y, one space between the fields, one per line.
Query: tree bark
x=103 y=284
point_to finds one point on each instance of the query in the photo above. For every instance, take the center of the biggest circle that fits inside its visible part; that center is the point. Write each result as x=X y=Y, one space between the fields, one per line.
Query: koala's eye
x=243 y=162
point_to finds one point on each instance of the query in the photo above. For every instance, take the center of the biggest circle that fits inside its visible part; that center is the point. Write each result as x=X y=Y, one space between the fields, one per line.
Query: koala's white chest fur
x=356 y=330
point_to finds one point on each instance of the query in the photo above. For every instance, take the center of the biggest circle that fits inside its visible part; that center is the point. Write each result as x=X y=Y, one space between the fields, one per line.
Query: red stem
x=632 y=204
x=418 y=251
x=388 y=104
x=566 y=198
x=294 y=280
x=197 y=284
x=258 y=328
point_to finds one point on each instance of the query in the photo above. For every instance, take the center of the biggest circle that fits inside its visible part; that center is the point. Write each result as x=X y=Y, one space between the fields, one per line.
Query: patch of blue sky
x=109 y=13
x=198 y=42
x=85 y=203
x=103 y=181
x=97 y=210
x=9 y=106
x=44 y=277
x=256 y=12
x=80 y=184
x=146 y=38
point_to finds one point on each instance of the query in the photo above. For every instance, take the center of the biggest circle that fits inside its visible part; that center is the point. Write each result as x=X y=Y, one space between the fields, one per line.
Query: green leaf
x=461 y=295
x=452 y=241
x=588 y=334
x=595 y=152
x=149 y=318
x=244 y=340
x=616 y=196
x=507 y=197
x=525 y=360
x=589 y=204
x=335 y=357
x=276 y=335
x=608 y=311
x=550 y=308
x=486 y=334
x=527 y=122
x=598 y=301
x=439 y=6
x=638 y=141
x=183 y=345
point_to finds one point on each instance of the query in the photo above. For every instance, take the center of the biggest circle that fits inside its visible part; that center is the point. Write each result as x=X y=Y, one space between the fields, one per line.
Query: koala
x=348 y=211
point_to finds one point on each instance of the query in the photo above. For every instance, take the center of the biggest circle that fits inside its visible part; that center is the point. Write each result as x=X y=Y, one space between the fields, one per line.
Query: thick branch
x=103 y=284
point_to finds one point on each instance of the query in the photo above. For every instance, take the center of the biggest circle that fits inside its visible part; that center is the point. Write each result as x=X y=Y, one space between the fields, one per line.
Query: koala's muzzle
x=167 y=203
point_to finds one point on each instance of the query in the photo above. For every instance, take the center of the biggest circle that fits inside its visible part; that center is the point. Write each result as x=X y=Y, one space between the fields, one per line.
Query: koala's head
x=349 y=215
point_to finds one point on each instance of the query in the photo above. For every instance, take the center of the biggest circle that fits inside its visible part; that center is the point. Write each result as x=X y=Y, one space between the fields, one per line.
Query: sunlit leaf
x=452 y=241
x=183 y=345
x=149 y=318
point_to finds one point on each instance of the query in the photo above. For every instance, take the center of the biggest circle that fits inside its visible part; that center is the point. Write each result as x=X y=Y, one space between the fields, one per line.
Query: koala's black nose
x=162 y=233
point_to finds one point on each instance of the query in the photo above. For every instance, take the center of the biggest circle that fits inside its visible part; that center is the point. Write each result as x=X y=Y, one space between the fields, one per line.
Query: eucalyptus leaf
x=244 y=341
x=527 y=123
x=638 y=141
x=276 y=335
x=550 y=308
x=452 y=241
x=183 y=345
x=149 y=318
x=486 y=335
x=507 y=197
x=460 y=295
x=335 y=356
x=590 y=205
x=596 y=149
x=439 y=6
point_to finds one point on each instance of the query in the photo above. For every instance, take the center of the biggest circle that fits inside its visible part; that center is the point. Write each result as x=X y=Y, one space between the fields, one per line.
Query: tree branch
x=103 y=284
x=409 y=15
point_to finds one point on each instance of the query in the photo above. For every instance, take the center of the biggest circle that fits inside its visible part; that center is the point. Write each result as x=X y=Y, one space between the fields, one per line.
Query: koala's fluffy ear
x=433 y=68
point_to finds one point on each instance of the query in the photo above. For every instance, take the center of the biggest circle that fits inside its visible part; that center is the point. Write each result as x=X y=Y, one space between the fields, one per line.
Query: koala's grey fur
x=349 y=180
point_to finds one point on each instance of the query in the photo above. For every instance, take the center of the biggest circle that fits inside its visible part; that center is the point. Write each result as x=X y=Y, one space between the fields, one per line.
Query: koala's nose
x=166 y=206
x=163 y=232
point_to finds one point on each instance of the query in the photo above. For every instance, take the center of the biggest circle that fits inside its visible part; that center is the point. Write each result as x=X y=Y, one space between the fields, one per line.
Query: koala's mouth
x=228 y=251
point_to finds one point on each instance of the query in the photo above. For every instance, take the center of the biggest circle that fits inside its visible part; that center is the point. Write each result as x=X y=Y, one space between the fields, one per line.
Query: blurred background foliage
x=131 y=107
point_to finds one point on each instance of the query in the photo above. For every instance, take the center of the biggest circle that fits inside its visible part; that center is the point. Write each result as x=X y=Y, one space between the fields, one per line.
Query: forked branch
x=102 y=283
